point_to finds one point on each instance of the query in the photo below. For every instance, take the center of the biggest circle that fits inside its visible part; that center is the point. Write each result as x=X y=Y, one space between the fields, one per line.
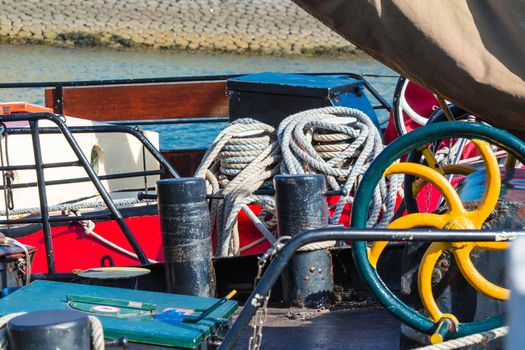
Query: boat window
x=97 y=156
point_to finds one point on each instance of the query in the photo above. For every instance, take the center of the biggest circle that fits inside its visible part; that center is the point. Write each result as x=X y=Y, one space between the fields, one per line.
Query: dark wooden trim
x=142 y=102
x=185 y=162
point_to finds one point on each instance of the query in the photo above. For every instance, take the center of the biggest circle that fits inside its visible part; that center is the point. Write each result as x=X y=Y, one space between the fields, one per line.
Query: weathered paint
x=186 y=236
x=301 y=205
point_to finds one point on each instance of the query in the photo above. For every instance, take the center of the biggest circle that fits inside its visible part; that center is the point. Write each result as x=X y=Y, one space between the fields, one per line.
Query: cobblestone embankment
x=258 y=26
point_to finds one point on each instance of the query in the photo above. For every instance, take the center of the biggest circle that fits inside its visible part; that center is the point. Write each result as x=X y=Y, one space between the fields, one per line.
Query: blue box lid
x=295 y=84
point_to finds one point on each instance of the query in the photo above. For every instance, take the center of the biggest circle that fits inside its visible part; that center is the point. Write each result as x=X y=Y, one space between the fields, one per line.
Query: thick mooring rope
x=469 y=340
x=89 y=226
x=339 y=143
x=240 y=160
x=97 y=332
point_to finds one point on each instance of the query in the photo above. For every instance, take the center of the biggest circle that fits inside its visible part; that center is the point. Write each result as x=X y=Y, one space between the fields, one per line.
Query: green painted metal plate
x=142 y=327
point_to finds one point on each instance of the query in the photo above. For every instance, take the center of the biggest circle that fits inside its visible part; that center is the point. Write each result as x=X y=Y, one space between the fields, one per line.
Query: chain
x=305 y=315
x=427 y=197
x=261 y=301
x=7 y=176
x=21 y=270
x=258 y=322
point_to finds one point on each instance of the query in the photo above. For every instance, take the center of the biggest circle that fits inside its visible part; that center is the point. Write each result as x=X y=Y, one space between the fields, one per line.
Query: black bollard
x=49 y=330
x=301 y=205
x=186 y=236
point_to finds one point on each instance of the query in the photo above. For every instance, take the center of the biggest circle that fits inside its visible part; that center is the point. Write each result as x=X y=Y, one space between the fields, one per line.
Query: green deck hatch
x=131 y=313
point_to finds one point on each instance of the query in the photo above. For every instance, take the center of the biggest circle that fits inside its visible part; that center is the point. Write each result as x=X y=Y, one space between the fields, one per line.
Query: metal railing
x=35 y=131
x=58 y=103
x=282 y=258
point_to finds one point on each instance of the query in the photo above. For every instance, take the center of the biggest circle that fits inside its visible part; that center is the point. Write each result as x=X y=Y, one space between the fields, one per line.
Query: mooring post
x=49 y=330
x=301 y=205
x=186 y=236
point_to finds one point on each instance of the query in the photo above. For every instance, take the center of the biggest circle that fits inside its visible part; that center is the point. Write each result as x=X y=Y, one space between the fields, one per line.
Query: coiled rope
x=241 y=159
x=97 y=332
x=469 y=340
x=339 y=143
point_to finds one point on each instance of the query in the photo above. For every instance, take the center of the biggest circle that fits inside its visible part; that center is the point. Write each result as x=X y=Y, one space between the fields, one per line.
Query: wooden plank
x=141 y=102
x=22 y=107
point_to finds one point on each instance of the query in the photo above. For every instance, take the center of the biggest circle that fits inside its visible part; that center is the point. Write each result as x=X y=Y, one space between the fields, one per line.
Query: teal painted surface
x=393 y=152
x=44 y=295
x=318 y=85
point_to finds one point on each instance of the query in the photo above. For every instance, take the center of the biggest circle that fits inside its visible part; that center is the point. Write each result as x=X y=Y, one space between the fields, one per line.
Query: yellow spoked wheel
x=455 y=217
x=461 y=252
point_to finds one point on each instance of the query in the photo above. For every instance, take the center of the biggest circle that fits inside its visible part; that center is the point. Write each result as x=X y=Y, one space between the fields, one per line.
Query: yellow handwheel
x=450 y=169
x=456 y=217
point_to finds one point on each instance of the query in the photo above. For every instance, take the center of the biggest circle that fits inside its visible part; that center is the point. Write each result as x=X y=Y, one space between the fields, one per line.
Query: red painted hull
x=73 y=249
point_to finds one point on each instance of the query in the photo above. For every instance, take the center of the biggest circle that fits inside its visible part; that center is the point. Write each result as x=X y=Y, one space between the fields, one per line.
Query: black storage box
x=271 y=97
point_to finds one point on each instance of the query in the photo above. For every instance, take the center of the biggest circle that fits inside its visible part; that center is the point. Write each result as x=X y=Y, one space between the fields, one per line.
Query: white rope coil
x=97 y=332
x=241 y=159
x=473 y=339
x=339 y=143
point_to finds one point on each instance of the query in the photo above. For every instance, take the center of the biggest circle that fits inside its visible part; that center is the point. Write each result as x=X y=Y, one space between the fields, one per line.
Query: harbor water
x=41 y=63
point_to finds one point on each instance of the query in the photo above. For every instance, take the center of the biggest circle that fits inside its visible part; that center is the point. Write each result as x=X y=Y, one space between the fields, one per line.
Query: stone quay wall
x=255 y=26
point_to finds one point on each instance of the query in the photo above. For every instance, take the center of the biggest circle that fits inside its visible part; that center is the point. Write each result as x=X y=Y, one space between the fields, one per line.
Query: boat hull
x=75 y=249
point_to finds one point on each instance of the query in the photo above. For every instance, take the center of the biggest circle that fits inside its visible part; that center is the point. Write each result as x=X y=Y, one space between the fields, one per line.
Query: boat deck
x=350 y=326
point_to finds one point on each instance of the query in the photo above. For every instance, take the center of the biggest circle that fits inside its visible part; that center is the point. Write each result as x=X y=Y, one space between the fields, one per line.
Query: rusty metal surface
x=186 y=236
x=345 y=327
x=301 y=205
